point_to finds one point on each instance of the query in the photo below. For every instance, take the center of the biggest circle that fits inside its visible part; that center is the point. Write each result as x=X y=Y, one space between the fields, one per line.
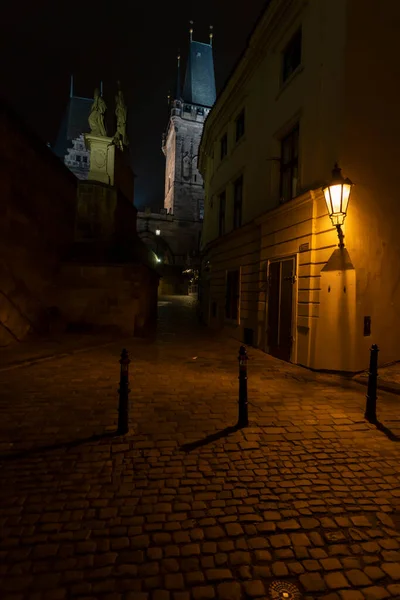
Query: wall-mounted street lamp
x=337 y=196
x=158 y=231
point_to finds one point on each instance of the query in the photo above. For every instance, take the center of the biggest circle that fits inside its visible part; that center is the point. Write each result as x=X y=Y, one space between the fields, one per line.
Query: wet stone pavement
x=184 y=508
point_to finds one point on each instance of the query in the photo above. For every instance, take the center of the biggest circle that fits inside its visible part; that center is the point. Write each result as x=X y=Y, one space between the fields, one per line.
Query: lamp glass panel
x=346 y=196
x=336 y=197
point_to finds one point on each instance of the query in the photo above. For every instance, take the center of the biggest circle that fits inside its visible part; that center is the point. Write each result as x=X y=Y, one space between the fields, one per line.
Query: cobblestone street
x=184 y=508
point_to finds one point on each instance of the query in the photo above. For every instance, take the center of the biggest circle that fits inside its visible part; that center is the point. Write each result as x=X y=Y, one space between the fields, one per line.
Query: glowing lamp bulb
x=337 y=196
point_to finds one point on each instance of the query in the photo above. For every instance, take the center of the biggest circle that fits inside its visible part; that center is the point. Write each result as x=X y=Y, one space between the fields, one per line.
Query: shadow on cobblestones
x=30 y=452
x=389 y=434
x=210 y=438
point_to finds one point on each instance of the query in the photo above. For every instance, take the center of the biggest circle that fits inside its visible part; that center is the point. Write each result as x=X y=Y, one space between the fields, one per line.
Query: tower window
x=78 y=158
x=240 y=126
x=224 y=145
x=291 y=56
x=84 y=159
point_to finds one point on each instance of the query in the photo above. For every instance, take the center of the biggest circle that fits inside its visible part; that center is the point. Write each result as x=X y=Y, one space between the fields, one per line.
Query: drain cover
x=282 y=590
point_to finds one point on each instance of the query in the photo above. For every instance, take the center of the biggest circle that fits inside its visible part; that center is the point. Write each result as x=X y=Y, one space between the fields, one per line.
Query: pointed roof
x=74 y=123
x=199 y=86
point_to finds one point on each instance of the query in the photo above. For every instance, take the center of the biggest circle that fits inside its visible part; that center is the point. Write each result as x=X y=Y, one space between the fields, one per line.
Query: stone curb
x=383 y=384
x=39 y=359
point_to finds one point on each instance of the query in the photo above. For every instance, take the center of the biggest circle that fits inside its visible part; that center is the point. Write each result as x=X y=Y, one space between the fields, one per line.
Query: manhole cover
x=282 y=590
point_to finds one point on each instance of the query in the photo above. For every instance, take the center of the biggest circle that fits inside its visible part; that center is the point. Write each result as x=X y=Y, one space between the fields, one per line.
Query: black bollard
x=123 y=406
x=370 y=408
x=243 y=419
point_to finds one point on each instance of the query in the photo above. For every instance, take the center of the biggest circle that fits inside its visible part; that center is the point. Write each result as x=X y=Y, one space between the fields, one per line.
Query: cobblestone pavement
x=184 y=507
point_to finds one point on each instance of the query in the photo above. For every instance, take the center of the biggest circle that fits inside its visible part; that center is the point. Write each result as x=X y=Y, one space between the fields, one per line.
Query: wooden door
x=281 y=277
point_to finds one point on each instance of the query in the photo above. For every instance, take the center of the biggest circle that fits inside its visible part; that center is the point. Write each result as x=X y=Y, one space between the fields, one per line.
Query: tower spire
x=71 y=87
x=211 y=35
x=101 y=88
x=191 y=30
x=178 y=77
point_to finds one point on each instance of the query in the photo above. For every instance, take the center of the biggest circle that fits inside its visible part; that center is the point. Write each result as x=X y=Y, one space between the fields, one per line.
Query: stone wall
x=37 y=212
x=108 y=296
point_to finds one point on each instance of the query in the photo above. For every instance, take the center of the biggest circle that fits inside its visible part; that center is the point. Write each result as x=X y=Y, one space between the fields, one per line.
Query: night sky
x=43 y=42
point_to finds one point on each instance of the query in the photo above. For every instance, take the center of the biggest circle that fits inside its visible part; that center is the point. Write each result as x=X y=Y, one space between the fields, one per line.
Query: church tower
x=184 y=192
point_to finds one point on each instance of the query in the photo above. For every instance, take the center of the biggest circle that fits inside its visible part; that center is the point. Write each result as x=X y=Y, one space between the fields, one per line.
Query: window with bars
x=232 y=295
x=221 y=215
x=237 y=202
x=292 y=55
x=289 y=165
x=240 y=126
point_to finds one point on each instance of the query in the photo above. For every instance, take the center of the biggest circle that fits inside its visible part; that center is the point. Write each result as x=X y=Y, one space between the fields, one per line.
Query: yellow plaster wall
x=345 y=96
x=369 y=152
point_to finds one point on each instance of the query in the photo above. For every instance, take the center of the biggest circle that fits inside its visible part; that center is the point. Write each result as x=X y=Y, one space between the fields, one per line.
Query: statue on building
x=96 y=116
x=120 y=138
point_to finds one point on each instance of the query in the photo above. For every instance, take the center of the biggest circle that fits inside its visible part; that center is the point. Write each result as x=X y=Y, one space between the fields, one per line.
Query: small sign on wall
x=367 y=326
x=304 y=247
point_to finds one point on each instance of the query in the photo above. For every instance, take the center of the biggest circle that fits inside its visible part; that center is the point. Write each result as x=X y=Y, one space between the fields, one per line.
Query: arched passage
x=159 y=246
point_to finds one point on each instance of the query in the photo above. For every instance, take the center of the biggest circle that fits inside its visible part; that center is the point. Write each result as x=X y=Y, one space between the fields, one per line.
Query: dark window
x=232 y=295
x=200 y=111
x=224 y=146
x=292 y=55
x=221 y=216
x=84 y=158
x=240 y=126
x=78 y=158
x=237 y=202
x=290 y=165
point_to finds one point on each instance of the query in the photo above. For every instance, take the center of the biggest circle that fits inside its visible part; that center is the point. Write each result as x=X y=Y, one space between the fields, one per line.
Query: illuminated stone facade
x=179 y=222
x=77 y=158
x=184 y=191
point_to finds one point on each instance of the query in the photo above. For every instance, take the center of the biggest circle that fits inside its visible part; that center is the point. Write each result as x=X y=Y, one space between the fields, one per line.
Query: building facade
x=184 y=190
x=70 y=144
x=173 y=233
x=317 y=84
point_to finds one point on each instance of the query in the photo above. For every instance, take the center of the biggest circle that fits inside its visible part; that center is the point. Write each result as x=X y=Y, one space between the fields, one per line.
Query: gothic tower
x=184 y=193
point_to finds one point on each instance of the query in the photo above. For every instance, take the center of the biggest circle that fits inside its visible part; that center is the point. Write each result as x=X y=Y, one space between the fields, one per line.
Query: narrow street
x=184 y=508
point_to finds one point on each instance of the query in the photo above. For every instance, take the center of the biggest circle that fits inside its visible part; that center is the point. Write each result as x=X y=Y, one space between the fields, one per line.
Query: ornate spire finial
x=191 y=30
x=71 y=87
x=211 y=35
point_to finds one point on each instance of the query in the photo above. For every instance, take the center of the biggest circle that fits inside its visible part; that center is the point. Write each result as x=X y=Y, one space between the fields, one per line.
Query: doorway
x=281 y=278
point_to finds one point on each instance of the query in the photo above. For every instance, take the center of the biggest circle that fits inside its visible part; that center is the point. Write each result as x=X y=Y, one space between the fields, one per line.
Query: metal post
x=243 y=419
x=123 y=406
x=370 y=408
